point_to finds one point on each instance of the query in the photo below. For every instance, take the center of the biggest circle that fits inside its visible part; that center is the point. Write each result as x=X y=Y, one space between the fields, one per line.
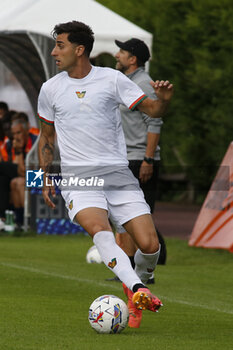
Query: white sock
x=115 y=258
x=145 y=264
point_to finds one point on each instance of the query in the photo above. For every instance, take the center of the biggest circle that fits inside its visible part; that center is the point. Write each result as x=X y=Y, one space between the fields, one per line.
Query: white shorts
x=122 y=206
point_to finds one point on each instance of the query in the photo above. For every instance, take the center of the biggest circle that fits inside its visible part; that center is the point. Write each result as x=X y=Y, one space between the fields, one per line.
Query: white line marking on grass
x=201 y=306
x=57 y=275
x=73 y=278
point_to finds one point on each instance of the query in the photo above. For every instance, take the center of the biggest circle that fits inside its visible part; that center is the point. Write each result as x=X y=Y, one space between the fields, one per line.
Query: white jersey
x=86 y=116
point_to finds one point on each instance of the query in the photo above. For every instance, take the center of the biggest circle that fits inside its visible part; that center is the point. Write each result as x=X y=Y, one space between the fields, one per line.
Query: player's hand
x=48 y=190
x=163 y=89
x=145 y=172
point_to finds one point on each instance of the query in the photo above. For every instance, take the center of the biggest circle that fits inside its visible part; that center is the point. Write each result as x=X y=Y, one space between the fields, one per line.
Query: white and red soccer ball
x=108 y=314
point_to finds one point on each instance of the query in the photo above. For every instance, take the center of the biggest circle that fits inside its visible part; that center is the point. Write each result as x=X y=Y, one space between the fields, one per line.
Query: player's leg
x=95 y=222
x=143 y=232
x=141 y=228
x=95 y=219
x=135 y=217
x=125 y=241
x=150 y=192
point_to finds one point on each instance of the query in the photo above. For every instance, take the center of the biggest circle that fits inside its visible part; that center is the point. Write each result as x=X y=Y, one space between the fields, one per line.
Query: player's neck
x=81 y=70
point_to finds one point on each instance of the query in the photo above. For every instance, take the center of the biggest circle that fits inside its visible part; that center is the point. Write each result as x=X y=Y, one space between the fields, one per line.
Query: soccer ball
x=108 y=314
x=93 y=256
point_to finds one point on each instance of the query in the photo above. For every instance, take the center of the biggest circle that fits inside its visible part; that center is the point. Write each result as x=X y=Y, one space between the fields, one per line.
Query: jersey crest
x=71 y=205
x=112 y=263
x=80 y=94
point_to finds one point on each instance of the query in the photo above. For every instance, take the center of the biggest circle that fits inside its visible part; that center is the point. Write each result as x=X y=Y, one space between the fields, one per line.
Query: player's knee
x=100 y=227
x=150 y=245
x=120 y=240
x=96 y=227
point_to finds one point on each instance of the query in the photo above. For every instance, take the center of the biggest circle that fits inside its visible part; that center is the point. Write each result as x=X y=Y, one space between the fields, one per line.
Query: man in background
x=142 y=137
x=3 y=109
x=12 y=167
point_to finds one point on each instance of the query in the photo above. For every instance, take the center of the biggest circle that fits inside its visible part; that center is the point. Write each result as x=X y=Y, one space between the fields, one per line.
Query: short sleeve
x=45 y=109
x=127 y=92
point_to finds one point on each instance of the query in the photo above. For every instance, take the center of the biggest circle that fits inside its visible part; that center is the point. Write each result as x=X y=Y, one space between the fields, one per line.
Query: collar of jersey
x=87 y=77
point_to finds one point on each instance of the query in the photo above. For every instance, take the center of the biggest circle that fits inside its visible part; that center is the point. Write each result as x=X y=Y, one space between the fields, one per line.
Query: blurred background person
x=23 y=116
x=12 y=166
x=2 y=135
x=3 y=109
x=6 y=124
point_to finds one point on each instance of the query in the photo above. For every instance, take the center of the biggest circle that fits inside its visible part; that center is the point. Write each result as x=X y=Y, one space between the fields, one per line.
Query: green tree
x=193 y=48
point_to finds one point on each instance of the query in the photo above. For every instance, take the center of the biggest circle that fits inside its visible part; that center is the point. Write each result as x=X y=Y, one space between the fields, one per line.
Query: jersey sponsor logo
x=80 y=94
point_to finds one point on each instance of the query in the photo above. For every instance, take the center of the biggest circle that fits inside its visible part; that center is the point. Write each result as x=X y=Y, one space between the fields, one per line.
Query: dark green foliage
x=193 y=48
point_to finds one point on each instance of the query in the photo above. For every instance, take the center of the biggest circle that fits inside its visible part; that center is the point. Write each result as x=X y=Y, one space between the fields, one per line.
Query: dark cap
x=136 y=47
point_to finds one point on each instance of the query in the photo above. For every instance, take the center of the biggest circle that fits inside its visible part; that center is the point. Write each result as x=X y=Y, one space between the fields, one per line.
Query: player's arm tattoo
x=47 y=153
x=46 y=147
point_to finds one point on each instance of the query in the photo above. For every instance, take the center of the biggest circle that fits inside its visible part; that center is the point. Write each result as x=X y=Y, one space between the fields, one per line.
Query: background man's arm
x=146 y=170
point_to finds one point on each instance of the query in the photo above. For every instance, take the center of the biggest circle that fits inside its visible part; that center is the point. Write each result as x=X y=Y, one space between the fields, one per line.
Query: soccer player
x=82 y=105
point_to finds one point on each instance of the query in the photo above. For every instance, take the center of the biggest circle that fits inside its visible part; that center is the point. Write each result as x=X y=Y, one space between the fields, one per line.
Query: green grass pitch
x=46 y=288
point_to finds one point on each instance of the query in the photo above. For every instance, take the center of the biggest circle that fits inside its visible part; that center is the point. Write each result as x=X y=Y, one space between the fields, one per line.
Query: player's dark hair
x=78 y=33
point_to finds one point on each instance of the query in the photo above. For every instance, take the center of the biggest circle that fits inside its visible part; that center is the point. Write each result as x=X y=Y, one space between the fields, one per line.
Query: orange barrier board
x=214 y=225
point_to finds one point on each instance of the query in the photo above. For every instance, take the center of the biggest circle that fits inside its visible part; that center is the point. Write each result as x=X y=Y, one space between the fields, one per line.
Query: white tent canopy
x=40 y=16
x=26 y=42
